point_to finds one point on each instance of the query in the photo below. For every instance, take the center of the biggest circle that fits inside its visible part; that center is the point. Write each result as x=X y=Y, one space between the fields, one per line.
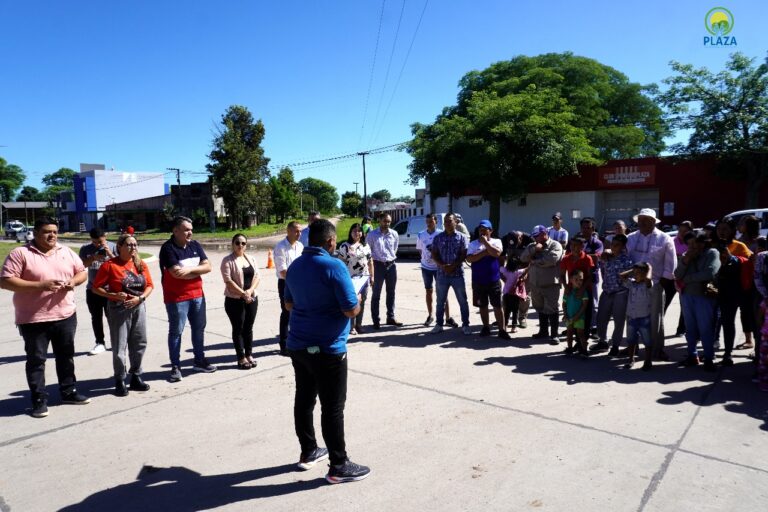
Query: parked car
x=25 y=234
x=760 y=213
x=12 y=227
x=408 y=230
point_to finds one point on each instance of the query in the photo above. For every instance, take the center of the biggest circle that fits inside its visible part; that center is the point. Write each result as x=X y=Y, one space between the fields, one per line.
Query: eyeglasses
x=241 y=243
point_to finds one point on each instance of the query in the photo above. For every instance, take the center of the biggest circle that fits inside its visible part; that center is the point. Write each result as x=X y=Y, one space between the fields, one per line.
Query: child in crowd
x=575 y=303
x=638 y=281
x=613 y=300
x=514 y=290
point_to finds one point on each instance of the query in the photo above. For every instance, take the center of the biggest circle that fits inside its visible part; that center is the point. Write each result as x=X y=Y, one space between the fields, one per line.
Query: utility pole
x=355 y=183
x=178 y=187
x=365 y=185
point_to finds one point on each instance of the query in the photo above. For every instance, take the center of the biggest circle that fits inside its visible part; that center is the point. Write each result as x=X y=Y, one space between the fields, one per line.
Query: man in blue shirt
x=321 y=298
x=304 y=236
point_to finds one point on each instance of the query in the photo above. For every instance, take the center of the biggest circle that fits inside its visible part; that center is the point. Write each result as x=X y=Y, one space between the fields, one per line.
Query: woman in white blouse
x=241 y=277
x=357 y=255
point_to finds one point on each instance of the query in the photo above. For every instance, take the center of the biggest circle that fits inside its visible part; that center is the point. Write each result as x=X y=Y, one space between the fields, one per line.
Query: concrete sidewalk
x=446 y=422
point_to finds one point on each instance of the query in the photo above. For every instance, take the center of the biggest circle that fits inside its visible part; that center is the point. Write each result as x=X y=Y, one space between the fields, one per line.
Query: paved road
x=446 y=422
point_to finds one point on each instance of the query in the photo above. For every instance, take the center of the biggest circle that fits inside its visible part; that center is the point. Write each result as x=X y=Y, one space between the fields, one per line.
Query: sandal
x=252 y=362
x=746 y=345
x=244 y=364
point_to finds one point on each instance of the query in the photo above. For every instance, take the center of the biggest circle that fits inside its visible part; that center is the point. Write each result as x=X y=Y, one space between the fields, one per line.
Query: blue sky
x=140 y=85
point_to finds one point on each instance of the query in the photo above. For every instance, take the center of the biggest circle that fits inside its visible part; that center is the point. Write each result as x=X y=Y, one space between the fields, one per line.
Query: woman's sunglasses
x=241 y=243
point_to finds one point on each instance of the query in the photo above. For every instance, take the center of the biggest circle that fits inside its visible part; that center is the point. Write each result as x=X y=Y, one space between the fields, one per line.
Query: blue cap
x=537 y=230
x=485 y=223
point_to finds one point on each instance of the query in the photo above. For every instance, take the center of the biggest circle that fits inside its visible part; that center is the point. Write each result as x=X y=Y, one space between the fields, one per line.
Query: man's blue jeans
x=178 y=312
x=699 y=313
x=444 y=283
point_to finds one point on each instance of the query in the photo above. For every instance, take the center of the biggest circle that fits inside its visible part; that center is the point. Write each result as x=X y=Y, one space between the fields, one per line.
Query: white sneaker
x=436 y=329
x=466 y=330
x=97 y=349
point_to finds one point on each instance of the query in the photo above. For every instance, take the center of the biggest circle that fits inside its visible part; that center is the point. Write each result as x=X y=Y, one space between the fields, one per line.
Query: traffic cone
x=270 y=261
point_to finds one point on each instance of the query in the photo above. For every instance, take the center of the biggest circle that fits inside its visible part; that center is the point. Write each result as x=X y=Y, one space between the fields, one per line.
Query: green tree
x=727 y=114
x=530 y=120
x=351 y=202
x=382 y=195
x=403 y=199
x=11 y=179
x=62 y=180
x=29 y=193
x=285 y=200
x=324 y=193
x=239 y=167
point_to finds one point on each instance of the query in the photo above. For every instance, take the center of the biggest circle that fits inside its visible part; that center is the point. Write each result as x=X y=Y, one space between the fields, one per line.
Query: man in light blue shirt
x=304 y=237
x=383 y=243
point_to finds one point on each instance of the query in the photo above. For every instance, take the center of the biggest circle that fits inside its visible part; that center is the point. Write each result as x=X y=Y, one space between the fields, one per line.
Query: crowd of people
x=576 y=283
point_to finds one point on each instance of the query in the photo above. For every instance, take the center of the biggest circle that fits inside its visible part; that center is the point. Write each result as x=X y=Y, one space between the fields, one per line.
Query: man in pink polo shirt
x=42 y=276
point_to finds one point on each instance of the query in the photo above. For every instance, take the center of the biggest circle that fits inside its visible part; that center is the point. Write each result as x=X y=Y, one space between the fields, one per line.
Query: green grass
x=264 y=229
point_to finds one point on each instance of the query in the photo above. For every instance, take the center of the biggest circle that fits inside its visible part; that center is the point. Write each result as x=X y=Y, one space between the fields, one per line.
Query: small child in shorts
x=575 y=302
x=638 y=282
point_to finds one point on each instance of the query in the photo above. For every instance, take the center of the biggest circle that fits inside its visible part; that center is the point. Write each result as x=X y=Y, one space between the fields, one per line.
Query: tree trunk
x=756 y=171
x=494 y=211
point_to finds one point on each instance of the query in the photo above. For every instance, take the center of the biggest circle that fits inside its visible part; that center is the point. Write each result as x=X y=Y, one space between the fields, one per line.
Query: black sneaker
x=204 y=366
x=74 y=398
x=39 y=408
x=175 y=374
x=614 y=352
x=485 y=331
x=347 y=472
x=726 y=361
x=428 y=321
x=569 y=351
x=689 y=361
x=504 y=335
x=308 y=460
x=647 y=366
x=451 y=322
x=709 y=365
x=376 y=325
x=120 y=389
x=599 y=346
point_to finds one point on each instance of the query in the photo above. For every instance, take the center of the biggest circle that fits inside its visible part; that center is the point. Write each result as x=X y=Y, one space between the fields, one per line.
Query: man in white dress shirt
x=304 y=237
x=384 y=242
x=287 y=250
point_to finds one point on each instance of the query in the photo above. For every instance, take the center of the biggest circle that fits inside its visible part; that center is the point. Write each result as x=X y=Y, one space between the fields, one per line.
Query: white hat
x=647 y=212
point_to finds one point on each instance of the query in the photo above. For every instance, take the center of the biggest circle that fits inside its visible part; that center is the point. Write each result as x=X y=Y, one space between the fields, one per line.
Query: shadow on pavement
x=182 y=489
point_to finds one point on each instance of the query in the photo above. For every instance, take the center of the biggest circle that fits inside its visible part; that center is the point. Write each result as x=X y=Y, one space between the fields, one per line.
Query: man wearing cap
x=556 y=231
x=651 y=245
x=543 y=257
x=483 y=254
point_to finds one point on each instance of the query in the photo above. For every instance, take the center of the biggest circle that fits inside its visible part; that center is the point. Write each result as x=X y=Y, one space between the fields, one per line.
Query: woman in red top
x=126 y=282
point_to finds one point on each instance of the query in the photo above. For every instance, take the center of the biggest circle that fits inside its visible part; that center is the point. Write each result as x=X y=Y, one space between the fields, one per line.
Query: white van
x=760 y=213
x=408 y=230
x=12 y=227
x=25 y=234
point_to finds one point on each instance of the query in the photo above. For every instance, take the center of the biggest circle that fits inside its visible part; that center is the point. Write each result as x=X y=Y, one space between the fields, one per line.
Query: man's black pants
x=285 y=315
x=323 y=375
x=97 y=306
x=61 y=334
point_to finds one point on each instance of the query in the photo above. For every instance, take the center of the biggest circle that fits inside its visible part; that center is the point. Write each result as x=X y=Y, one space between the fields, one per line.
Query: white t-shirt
x=424 y=245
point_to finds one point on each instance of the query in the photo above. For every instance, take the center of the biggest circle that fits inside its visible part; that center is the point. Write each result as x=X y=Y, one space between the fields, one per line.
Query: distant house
x=24 y=211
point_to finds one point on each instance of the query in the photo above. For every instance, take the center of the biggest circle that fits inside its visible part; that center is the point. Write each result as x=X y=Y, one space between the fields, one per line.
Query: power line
x=386 y=74
x=373 y=67
x=400 y=75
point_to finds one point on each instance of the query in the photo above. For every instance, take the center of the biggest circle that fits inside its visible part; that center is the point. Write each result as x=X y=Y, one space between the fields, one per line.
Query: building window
x=523 y=201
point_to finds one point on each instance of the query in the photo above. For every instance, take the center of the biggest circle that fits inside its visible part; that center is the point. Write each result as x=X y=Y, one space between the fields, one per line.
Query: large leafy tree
x=239 y=167
x=351 y=202
x=285 y=200
x=727 y=114
x=11 y=179
x=324 y=193
x=382 y=195
x=29 y=193
x=62 y=180
x=530 y=120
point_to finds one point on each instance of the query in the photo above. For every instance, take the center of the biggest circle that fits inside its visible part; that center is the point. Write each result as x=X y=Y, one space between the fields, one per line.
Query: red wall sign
x=627 y=176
